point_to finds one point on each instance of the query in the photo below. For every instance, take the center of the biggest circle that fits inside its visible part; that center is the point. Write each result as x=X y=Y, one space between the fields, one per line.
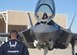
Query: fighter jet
x=46 y=34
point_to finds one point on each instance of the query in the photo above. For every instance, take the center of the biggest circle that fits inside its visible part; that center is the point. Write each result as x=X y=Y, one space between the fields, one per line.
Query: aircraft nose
x=45 y=33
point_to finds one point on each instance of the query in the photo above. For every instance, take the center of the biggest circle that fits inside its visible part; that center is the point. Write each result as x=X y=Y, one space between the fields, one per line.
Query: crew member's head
x=13 y=34
x=45 y=16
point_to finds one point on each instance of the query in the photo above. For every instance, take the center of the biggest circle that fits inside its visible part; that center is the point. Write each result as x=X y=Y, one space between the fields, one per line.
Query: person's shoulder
x=20 y=42
x=3 y=45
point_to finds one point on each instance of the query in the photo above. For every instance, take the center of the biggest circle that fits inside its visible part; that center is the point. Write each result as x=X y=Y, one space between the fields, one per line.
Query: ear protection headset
x=13 y=31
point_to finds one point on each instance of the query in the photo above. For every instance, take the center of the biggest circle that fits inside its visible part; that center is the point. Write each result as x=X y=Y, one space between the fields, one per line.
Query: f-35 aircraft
x=46 y=34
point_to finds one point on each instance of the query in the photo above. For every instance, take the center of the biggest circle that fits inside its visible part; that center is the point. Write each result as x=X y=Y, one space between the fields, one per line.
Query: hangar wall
x=2 y=25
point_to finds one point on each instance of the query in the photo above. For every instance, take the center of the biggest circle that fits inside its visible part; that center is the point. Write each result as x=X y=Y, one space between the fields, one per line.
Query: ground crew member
x=13 y=46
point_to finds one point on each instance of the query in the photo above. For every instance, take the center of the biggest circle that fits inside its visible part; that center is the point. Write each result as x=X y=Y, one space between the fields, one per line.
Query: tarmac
x=67 y=51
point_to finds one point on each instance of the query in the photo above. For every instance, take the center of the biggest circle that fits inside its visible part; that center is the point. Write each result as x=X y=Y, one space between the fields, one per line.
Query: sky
x=68 y=7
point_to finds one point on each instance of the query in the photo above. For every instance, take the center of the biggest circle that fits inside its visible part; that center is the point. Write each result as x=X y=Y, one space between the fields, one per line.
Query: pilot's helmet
x=45 y=16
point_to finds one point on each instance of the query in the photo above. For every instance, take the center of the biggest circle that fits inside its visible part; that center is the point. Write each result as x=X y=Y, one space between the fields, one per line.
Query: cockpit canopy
x=45 y=8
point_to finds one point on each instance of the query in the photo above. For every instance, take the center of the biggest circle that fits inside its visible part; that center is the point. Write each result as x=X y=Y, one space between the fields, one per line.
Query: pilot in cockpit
x=45 y=16
x=47 y=19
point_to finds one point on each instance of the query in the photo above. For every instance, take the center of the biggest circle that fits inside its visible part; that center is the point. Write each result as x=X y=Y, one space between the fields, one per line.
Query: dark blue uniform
x=13 y=47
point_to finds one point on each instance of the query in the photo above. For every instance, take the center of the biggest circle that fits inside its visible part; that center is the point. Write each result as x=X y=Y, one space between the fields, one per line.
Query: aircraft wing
x=74 y=40
x=4 y=34
x=75 y=36
x=28 y=37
